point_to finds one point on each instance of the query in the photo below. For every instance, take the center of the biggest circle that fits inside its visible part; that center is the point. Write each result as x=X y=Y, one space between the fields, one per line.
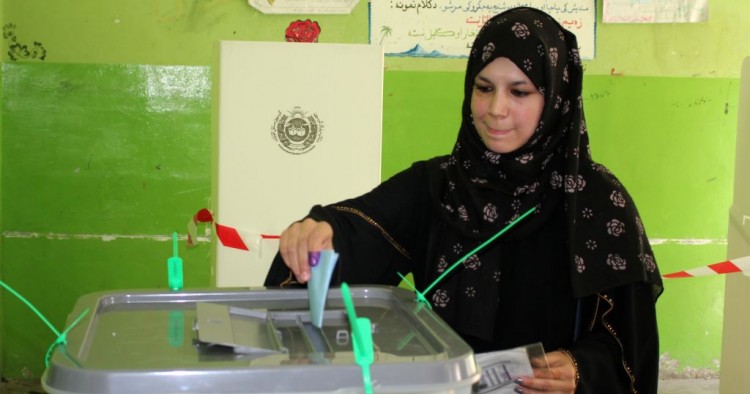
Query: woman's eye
x=483 y=88
x=520 y=93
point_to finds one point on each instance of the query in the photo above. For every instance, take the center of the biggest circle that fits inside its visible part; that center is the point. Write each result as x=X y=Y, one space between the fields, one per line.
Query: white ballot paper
x=500 y=368
x=295 y=125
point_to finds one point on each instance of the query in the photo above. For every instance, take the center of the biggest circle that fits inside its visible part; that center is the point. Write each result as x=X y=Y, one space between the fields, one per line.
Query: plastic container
x=255 y=341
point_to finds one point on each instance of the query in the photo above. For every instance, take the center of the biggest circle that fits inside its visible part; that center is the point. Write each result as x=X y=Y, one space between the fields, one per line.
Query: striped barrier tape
x=228 y=236
x=244 y=240
x=741 y=264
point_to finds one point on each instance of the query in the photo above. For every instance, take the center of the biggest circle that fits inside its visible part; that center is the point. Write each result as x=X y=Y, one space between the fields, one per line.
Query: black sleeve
x=374 y=234
x=619 y=349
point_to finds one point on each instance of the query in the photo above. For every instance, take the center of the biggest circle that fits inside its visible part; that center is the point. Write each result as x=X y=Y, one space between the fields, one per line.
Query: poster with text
x=655 y=11
x=446 y=28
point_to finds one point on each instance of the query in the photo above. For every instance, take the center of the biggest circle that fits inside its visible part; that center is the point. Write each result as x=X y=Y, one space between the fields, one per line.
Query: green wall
x=105 y=147
x=2 y=293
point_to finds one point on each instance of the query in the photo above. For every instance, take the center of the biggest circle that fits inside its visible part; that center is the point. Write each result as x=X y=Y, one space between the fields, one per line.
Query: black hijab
x=478 y=192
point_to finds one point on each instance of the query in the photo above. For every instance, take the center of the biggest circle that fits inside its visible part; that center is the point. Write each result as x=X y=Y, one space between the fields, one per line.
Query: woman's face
x=505 y=106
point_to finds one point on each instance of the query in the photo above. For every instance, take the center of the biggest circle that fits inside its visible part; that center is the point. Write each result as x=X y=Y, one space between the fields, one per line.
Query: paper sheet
x=655 y=11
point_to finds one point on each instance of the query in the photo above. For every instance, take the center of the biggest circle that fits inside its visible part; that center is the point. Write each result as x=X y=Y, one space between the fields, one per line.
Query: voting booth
x=735 y=355
x=296 y=124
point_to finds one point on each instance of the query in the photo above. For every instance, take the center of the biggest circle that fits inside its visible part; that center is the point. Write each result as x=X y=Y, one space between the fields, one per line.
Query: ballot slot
x=244 y=331
x=258 y=331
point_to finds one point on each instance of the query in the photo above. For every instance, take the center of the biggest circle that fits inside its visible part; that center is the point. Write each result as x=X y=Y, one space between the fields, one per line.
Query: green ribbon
x=421 y=295
x=61 y=336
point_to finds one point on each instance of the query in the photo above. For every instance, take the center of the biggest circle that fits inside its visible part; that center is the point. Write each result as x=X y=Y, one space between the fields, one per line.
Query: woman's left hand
x=560 y=377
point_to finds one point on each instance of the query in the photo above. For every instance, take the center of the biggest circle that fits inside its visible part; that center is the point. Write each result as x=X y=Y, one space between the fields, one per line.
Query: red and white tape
x=245 y=240
x=741 y=264
x=230 y=237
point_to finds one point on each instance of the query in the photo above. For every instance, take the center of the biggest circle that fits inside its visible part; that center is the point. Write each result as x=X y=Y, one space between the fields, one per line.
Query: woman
x=577 y=274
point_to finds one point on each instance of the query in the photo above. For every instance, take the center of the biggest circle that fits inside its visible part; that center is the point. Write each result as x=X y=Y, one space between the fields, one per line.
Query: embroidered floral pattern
x=648 y=262
x=487 y=51
x=615 y=228
x=553 y=56
x=440 y=299
x=575 y=56
x=463 y=213
x=573 y=185
x=580 y=265
x=526 y=189
x=521 y=30
x=527 y=65
x=525 y=158
x=442 y=264
x=617 y=199
x=473 y=263
x=556 y=180
x=490 y=212
x=616 y=262
x=492 y=157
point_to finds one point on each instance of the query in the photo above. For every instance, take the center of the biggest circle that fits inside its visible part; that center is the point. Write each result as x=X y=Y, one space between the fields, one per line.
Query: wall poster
x=655 y=11
x=446 y=28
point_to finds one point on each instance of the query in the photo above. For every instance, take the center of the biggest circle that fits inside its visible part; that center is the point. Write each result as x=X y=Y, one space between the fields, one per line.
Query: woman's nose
x=498 y=105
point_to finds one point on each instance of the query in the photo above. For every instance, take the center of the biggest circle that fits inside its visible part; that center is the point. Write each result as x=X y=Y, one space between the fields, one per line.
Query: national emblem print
x=297 y=132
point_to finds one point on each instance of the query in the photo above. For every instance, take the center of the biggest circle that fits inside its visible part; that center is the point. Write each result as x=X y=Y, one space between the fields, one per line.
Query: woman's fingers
x=301 y=238
x=558 y=377
x=552 y=382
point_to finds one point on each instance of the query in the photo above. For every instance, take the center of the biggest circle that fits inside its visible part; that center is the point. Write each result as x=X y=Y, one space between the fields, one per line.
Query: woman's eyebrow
x=519 y=82
x=483 y=79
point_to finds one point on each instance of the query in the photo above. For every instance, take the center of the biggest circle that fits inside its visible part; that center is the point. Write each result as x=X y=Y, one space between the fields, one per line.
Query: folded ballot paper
x=501 y=368
x=321 y=268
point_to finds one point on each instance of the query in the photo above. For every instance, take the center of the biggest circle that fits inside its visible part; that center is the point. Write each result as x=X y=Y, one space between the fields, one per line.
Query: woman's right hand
x=301 y=238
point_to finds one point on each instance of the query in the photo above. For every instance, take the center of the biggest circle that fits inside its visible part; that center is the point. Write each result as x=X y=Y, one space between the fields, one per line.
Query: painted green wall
x=105 y=147
x=2 y=293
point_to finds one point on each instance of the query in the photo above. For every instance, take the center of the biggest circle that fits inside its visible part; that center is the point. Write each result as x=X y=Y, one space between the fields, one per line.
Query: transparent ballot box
x=255 y=341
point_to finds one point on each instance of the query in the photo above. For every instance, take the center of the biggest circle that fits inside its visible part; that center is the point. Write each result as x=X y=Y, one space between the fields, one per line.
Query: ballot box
x=295 y=125
x=735 y=352
x=255 y=341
